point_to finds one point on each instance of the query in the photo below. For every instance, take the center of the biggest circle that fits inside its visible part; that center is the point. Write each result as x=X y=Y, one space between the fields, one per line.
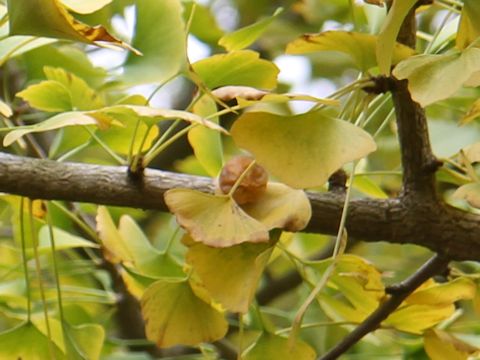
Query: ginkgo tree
x=288 y=222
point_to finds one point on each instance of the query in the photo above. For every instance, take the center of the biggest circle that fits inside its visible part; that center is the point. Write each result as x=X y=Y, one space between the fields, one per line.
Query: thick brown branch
x=440 y=228
x=434 y=266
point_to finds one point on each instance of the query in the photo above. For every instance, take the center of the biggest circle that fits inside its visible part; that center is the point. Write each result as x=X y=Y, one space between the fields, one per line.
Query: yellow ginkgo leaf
x=230 y=275
x=270 y=346
x=174 y=315
x=215 y=220
x=440 y=345
x=49 y=18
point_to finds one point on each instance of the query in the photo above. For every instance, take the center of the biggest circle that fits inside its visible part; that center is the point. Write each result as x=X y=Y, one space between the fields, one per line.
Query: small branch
x=435 y=265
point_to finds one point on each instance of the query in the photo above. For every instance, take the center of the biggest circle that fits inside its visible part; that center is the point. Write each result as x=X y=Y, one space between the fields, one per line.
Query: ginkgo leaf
x=160 y=36
x=54 y=21
x=38 y=344
x=470 y=193
x=436 y=77
x=13 y=46
x=174 y=315
x=440 y=345
x=153 y=115
x=326 y=145
x=63 y=240
x=204 y=25
x=246 y=36
x=242 y=67
x=359 y=47
x=230 y=275
x=415 y=319
x=84 y=341
x=472 y=113
x=388 y=34
x=468 y=28
x=207 y=143
x=85 y=6
x=215 y=220
x=444 y=294
x=5 y=109
x=47 y=96
x=281 y=207
x=73 y=118
x=270 y=346
x=129 y=245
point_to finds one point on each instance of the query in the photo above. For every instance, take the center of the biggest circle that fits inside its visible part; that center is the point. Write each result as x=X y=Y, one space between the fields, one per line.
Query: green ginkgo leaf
x=246 y=36
x=13 y=46
x=436 y=77
x=207 y=143
x=468 y=28
x=27 y=342
x=440 y=345
x=160 y=36
x=359 y=47
x=54 y=21
x=388 y=34
x=215 y=220
x=204 y=25
x=302 y=150
x=47 y=96
x=230 y=275
x=269 y=346
x=242 y=67
x=63 y=240
x=174 y=315
x=84 y=342
x=281 y=207
x=129 y=245
x=73 y=118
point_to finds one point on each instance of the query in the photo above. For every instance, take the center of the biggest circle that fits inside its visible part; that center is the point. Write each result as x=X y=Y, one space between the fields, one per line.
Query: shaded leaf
x=214 y=220
x=468 y=28
x=73 y=118
x=269 y=346
x=440 y=345
x=246 y=36
x=243 y=67
x=160 y=36
x=174 y=315
x=230 y=275
x=207 y=143
x=281 y=207
x=84 y=342
x=359 y=47
x=472 y=113
x=327 y=144
x=13 y=46
x=436 y=77
x=54 y=21
x=388 y=34
x=470 y=193
x=204 y=25
x=63 y=240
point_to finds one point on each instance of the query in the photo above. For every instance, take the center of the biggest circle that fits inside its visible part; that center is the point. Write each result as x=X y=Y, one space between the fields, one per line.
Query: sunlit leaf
x=440 y=345
x=230 y=275
x=444 y=294
x=37 y=348
x=13 y=46
x=359 y=47
x=246 y=36
x=214 y=220
x=470 y=193
x=174 y=315
x=417 y=318
x=85 y=6
x=327 y=144
x=207 y=143
x=269 y=346
x=388 y=34
x=469 y=28
x=243 y=67
x=436 y=77
x=281 y=207
x=5 y=109
x=73 y=118
x=54 y=21
x=160 y=36
x=47 y=96
x=63 y=240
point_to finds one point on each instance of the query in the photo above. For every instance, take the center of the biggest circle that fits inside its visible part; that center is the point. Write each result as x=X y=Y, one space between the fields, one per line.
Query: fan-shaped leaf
x=269 y=346
x=440 y=345
x=469 y=28
x=326 y=145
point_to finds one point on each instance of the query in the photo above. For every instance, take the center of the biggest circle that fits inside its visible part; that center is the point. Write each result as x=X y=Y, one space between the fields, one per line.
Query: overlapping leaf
x=54 y=21
x=174 y=315
x=269 y=346
x=359 y=47
x=440 y=345
x=468 y=28
x=326 y=145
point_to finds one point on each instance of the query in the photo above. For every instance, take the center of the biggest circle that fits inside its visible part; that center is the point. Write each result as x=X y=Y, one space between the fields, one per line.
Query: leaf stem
x=104 y=146
x=240 y=178
x=24 y=258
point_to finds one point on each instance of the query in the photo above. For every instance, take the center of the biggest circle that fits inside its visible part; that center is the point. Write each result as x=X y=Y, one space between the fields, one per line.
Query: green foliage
x=72 y=276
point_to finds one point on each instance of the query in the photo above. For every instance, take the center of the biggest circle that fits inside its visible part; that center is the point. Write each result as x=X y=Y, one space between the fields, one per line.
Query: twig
x=398 y=293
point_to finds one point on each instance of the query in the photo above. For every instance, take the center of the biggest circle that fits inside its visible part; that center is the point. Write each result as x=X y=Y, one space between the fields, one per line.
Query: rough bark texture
x=436 y=226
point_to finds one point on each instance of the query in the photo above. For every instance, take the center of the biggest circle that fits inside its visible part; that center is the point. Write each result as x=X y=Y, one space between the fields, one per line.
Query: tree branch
x=442 y=229
x=435 y=265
